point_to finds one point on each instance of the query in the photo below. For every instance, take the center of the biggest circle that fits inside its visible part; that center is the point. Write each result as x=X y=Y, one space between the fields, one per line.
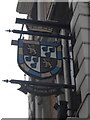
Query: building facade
x=75 y=52
x=80 y=27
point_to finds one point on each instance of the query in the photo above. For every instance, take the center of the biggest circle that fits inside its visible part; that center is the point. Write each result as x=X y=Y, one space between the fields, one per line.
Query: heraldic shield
x=40 y=59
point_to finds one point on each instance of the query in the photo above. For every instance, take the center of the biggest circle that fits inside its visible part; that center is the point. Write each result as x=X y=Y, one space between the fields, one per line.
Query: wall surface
x=80 y=25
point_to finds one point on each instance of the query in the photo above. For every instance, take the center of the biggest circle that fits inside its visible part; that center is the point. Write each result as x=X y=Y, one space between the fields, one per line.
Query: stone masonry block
x=83 y=53
x=84 y=71
x=82 y=22
x=80 y=8
x=83 y=37
x=85 y=89
x=85 y=109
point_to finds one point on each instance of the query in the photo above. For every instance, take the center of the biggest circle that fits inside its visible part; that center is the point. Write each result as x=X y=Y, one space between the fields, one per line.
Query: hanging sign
x=40 y=59
x=40 y=91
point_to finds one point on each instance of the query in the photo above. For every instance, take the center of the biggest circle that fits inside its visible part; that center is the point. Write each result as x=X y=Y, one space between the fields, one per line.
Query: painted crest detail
x=39 y=59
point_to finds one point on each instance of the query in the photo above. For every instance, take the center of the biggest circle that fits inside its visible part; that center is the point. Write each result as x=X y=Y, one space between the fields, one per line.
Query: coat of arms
x=40 y=59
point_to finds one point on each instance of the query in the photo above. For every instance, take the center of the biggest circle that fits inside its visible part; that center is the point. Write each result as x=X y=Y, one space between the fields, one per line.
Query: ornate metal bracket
x=40 y=88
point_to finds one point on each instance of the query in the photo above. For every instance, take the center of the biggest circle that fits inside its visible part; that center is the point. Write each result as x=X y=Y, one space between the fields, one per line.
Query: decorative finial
x=8 y=30
x=6 y=80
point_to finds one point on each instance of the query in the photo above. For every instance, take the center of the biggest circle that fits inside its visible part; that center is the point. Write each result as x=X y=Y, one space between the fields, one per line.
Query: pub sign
x=39 y=59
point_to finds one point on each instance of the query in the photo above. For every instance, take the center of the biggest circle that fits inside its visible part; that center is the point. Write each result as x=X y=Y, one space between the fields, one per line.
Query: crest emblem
x=40 y=59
